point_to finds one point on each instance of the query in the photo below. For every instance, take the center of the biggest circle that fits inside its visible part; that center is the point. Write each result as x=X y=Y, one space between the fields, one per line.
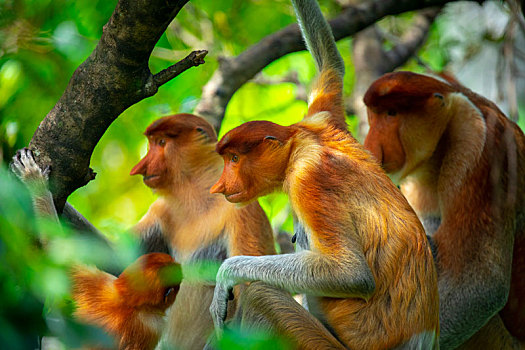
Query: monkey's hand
x=36 y=180
x=219 y=304
x=26 y=169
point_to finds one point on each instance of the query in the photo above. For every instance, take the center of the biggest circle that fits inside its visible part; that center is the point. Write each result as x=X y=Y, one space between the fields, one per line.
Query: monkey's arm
x=347 y=275
x=470 y=296
x=36 y=179
x=149 y=229
x=318 y=36
x=78 y=221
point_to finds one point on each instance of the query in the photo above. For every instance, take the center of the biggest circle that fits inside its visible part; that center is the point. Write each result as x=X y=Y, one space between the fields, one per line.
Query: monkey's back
x=334 y=178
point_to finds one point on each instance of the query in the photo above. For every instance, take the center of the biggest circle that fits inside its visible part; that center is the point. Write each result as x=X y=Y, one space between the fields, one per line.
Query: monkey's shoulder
x=332 y=155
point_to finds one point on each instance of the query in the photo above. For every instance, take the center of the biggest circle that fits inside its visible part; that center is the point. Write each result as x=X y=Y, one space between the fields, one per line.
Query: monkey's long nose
x=374 y=147
x=140 y=168
x=218 y=187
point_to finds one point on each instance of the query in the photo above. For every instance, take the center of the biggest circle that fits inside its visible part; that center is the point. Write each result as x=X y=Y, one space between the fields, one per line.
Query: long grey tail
x=318 y=35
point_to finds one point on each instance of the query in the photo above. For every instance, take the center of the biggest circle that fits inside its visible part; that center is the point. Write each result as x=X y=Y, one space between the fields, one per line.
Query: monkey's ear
x=272 y=139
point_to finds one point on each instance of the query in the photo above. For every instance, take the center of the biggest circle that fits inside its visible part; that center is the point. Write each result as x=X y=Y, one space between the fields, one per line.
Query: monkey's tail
x=327 y=92
x=318 y=36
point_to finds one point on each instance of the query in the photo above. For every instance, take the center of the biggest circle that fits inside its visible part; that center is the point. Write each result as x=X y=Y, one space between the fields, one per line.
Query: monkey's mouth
x=150 y=180
x=149 y=177
x=233 y=197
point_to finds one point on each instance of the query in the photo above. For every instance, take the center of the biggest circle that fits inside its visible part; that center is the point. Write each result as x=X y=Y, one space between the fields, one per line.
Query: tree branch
x=234 y=72
x=194 y=59
x=114 y=77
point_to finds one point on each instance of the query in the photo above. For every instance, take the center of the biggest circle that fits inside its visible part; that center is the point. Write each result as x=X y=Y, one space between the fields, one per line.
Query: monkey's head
x=151 y=282
x=407 y=114
x=255 y=157
x=179 y=145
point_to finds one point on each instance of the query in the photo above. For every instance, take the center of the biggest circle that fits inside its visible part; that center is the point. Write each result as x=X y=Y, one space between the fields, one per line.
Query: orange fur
x=348 y=207
x=460 y=159
x=327 y=97
x=132 y=306
x=191 y=219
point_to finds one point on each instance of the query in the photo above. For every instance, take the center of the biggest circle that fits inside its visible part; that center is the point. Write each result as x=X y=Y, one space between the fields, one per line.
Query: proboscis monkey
x=461 y=164
x=366 y=266
x=190 y=223
x=131 y=307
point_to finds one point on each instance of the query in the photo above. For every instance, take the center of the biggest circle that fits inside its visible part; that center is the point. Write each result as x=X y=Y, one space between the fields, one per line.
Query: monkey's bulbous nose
x=217 y=188
x=140 y=168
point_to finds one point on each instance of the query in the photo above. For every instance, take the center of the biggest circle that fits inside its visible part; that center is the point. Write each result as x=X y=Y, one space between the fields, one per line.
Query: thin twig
x=194 y=59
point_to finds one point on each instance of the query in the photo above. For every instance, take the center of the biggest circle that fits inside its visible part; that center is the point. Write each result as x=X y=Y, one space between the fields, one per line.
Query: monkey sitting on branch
x=365 y=264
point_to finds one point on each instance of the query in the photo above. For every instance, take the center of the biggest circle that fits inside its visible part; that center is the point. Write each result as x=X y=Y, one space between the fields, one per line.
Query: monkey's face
x=179 y=146
x=153 y=167
x=403 y=141
x=255 y=159
x=407 y=114
x=248 y=176
x=234 y=183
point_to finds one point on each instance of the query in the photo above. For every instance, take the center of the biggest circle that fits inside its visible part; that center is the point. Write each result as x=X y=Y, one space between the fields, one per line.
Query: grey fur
x=153 y=241
x=431 y=224
x=318 y=36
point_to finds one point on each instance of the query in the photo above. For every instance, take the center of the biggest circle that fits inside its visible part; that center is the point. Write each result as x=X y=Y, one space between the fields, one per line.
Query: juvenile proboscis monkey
x=131 y=307
x=365 y=266
x=190 y=223
x=461 y=165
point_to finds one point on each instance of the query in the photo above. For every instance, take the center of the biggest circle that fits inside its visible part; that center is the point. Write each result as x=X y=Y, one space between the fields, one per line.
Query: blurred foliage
x=41 y=44
x=234 y=339
x=34 y=282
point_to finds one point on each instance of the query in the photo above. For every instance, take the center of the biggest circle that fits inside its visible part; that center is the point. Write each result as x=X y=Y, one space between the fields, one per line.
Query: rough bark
x=114 y=77
x=234 y=72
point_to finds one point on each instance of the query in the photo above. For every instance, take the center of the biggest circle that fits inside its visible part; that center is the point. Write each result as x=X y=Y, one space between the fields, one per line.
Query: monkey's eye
x=235 y=158
x=162 y=142
x=391 y=113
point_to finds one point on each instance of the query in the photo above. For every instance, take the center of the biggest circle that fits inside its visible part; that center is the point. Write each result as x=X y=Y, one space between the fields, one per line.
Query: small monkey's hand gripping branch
x=27 y=170
x=306 y=272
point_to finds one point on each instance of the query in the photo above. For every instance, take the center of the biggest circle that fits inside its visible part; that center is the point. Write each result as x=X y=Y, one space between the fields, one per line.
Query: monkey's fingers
x=17 y=166
x=218 y=308
x=25 y=167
